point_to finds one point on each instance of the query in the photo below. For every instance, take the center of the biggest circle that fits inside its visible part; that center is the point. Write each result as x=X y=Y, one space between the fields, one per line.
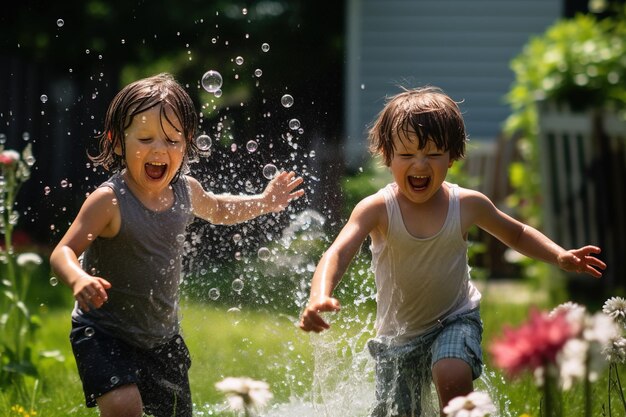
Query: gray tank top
x=143 y=263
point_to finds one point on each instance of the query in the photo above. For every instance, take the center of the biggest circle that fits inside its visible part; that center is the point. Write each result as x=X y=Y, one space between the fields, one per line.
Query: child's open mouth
x=419 y=182
x=155 y=170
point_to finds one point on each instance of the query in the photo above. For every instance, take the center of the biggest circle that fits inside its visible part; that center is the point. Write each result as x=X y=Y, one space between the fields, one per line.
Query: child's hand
x=278 y=192
x=582 y=261
x=311 y=319
x=90 y=292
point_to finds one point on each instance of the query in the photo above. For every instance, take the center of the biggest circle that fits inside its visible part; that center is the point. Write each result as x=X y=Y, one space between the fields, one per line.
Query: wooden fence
x=583 y=169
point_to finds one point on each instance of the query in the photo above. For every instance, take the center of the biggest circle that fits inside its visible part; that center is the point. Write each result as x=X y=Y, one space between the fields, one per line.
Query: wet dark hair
x=137 y=97
x=425 y=112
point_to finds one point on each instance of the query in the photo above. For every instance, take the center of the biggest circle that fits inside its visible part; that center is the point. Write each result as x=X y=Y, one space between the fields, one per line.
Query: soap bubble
x=265 y=47
x=212 y=81
x=252 y=146
x=258 y=72
x=237 y=285
x=269 y=171
x=264 y=253
x=204 y=142
x=89 y=331
x=294 y=124
x=214 y=294
x=60 y=22
x=286 y=100
x=54 y=281
x=43 y=98
x=239 y=60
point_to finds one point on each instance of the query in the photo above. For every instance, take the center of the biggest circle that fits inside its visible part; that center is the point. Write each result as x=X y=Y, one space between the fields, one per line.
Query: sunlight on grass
x=269 y=347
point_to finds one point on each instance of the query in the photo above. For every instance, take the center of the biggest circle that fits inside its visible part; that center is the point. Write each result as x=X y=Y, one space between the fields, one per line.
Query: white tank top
x=420 y=281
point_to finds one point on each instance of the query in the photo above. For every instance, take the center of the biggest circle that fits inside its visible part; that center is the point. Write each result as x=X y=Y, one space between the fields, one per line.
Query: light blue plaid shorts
x=402 y=371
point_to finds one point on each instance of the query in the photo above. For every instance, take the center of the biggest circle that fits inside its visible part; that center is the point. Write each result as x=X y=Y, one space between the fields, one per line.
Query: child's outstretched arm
x=364 y=219
x=528 y=240
x=233 y=209
x=98 y=216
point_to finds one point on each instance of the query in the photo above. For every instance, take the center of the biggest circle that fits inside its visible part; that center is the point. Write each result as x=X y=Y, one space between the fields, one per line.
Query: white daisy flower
x=574 y=313
x=244 y=394
x=615 y=351
x=29 y=258
x=615 y=307
x=475 y=404
x=572 y=362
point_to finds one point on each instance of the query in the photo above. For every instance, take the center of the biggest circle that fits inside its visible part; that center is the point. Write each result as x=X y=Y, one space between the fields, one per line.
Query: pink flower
x=533 y=345
x=9 y=157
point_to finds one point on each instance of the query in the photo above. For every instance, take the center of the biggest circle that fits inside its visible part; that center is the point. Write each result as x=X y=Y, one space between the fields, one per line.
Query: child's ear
x=451 y=163
x=117 y=148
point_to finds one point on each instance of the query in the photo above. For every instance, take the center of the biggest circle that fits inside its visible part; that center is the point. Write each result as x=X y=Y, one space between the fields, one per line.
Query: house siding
x=464 y=47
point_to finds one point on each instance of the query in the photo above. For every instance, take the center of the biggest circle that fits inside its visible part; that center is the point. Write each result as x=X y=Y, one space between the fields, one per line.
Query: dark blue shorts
x=161 y=373
x=403 y=372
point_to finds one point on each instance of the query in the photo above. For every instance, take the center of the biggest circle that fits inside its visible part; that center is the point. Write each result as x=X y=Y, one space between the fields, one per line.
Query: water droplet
x=89 y=331
x=265 y=47
x=89 y=236
x=60 y=22
x=114 y=380
x=236 y=237
x=64 y=183
x=233 y=147
x=269 y=171
x=204 y=142
x=258 y=72
x=234 y=310
x=294 y=124
x=252 y=146
x=26 y=136
x=218 y=93
x=43 y=98
x=46 y=190
x=239 y=60
x=237 y=285
x=286 y=100
x=212 y=81
x=264 y=253
x=180 y=238
x=3 y=138
x=214 y=294
x=238 y=256
x=54 y=281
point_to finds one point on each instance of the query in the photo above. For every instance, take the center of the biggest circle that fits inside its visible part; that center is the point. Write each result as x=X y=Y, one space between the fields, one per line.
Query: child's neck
x=157 y=200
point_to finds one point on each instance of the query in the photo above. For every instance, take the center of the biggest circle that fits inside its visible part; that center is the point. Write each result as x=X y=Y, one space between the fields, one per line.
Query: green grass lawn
x=268 y=346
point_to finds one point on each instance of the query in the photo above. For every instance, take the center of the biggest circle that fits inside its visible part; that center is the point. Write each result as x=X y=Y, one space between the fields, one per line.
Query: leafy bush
x=578 y=62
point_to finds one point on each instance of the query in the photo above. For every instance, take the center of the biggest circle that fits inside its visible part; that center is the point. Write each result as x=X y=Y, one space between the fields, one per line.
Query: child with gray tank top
x=428 y=326
x=125 y=326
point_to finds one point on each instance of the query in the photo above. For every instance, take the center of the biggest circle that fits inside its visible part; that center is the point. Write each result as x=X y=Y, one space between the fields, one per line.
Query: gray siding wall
x=463 y=46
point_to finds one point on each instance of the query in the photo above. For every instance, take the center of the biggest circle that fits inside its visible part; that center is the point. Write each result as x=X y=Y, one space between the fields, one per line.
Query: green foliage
x=18 y=325
x=367 y=181
x=578 y=62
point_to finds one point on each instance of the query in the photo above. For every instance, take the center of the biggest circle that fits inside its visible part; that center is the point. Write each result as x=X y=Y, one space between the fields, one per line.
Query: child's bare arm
x=335 y=261
x=233 y=209
x=530 y=241
x=98 y=216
